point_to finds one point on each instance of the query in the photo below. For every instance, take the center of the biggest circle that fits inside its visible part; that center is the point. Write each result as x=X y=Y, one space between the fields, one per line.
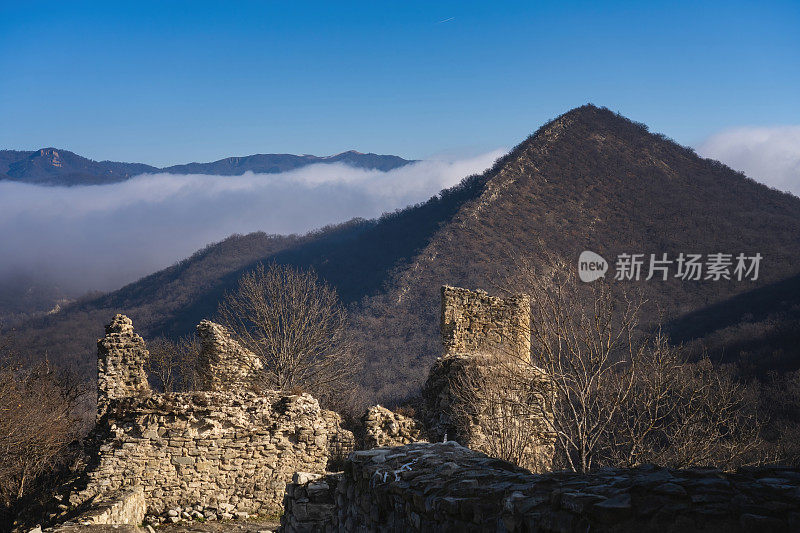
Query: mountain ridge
x=57 y=167
x=589 y=179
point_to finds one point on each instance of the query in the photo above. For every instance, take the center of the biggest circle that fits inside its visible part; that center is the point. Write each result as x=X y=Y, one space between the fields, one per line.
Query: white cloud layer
x=770 y=155
x=101 y=237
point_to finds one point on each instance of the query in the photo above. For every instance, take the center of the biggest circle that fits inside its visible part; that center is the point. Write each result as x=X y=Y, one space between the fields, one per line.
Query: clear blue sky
x=171 y=82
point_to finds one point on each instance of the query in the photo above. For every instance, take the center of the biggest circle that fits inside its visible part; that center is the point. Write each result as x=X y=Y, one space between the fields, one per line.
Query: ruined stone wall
x=474 y=322
x=225 y=365
x=446 y=487
x=225 y=449
x=309 y=505
x=383 y=427
x=340 y=441
x=121 y=357
x=117 y=507
x=210 y=448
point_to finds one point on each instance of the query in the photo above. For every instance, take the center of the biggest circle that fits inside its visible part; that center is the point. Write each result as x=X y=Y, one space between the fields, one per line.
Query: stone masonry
x=487 y=340
x=121 y=357
x=225 y=449
x=446 y=487
x=383 y=427
x=474 y=322
x=124 y=506
x=223 y=362
x=310 y=503
x=493 y=420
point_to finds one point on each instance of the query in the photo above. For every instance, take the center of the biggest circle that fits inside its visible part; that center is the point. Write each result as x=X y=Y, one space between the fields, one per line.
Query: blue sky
x=172 y=82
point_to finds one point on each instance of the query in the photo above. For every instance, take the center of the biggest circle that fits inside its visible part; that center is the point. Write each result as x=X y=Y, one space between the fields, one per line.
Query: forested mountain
x=51 y=166
x=589 y=179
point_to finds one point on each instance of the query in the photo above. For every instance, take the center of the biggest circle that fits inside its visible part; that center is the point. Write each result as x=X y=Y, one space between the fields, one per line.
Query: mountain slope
x=589 y=179
x=50 y=166
x=357 y=257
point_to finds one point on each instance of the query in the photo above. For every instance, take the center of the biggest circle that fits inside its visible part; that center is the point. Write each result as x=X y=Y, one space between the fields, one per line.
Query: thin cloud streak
x=101 y=237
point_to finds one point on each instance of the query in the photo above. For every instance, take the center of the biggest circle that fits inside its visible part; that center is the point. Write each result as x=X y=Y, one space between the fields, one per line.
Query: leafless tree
x=618 y=396
x=683 y=413
x=296 y=326
x=585 y=339
x=173 y=364
x=39 y=419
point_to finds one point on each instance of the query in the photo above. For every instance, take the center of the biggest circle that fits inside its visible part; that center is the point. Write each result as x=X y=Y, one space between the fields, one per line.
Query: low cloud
x=770 y=155
x=101 y=237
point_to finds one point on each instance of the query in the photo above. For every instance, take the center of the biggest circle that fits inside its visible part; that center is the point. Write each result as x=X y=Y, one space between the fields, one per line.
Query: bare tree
x=683 y=413
x=39 y=419
x=295 y=324
x=585 y=340
x=620 y=396
x=173 y=364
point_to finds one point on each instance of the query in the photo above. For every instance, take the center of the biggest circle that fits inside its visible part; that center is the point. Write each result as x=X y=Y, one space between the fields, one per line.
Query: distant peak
x=593 y=112
x=348 y=152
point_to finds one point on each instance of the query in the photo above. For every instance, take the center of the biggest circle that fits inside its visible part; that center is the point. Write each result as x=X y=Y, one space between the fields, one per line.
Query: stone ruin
x=383 y=427
x=484 y=338
x=474 y=322
x=447 y=487
x=487 y=339
x=223 y=363
x=228 y=452
x=121 y=357
x=223 y=452
x=450 y=487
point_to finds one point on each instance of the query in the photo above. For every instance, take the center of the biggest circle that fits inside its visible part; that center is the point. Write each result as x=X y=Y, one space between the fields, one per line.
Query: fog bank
x=101 y=237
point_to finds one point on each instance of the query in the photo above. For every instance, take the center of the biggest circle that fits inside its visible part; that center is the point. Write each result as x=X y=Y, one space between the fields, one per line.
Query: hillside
x=51 y=166
x=356 y=257
x=589 y=179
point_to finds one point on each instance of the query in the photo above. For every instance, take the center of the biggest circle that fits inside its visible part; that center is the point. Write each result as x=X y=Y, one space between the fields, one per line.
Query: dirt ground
x=225 y=526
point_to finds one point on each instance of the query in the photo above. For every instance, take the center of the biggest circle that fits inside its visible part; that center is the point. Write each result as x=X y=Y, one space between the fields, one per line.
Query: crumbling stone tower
x=484 y=391
x=121 y=357
x=474 y=322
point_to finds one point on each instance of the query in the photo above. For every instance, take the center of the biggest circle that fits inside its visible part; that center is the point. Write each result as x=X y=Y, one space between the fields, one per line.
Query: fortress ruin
x=226 y=449
x=230 y=451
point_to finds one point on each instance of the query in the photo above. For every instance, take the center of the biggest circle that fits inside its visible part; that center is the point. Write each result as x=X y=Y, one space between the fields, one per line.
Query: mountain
x=274 y=163
x=587 y=180
x=51 y=166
